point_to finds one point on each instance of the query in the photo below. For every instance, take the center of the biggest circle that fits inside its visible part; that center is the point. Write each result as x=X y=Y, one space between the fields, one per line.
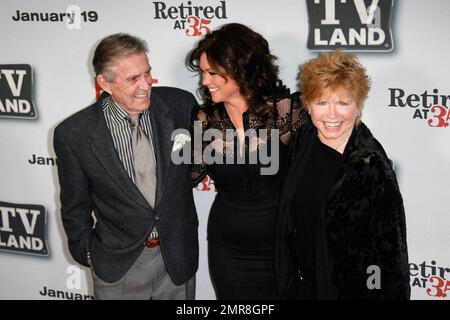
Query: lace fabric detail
x=285 y=119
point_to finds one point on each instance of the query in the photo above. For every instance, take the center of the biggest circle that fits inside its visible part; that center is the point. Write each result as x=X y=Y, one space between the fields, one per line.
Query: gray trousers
x=147 y=279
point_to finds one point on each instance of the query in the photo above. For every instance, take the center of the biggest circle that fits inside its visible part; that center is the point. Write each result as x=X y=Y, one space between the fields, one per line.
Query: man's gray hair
x=114 y=47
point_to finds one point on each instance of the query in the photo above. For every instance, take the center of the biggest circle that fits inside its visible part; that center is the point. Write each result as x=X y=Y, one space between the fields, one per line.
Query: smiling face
x=221 y=87
x=334 y=114
x=131 y=84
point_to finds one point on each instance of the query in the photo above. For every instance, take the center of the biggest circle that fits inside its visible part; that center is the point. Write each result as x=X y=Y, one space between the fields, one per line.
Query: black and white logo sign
x=16 y=91
x=356 y=25
x=23 y=228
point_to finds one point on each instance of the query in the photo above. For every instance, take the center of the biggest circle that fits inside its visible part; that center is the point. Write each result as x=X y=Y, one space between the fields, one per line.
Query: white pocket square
x=180 y=140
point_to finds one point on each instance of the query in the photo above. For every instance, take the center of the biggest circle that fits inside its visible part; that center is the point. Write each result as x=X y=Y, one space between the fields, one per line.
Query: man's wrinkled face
x=131 y=83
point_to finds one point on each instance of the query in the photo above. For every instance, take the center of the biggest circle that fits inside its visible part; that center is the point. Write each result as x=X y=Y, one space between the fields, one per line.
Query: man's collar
x=118 y=115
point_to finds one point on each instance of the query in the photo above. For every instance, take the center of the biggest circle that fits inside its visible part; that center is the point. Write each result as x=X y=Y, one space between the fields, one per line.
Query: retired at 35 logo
x=431 y=278
x=207 y=184
x=429 y=106
x=194 y=20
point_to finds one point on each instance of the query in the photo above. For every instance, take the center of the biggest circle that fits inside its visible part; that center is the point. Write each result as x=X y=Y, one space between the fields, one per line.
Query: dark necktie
x=144 y=161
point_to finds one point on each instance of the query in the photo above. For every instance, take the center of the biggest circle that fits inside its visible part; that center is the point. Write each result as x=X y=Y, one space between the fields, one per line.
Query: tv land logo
x=431 y=278
x=23 y=228
x=194 y=20
x=431 y=107
x=16 y=83
x=356 y=25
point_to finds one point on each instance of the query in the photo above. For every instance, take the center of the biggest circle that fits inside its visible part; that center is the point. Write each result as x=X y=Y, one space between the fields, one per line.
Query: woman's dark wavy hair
x=244 y=55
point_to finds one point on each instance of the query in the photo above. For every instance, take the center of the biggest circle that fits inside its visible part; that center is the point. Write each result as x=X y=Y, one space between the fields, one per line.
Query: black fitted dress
x=241 y=223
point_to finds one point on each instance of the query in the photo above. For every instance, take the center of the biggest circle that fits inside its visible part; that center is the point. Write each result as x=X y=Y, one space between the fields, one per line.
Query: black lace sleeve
x=291 y=116
x=198 y=166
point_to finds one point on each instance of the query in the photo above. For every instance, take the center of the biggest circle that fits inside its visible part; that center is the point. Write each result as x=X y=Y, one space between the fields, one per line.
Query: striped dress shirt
x=120 y=129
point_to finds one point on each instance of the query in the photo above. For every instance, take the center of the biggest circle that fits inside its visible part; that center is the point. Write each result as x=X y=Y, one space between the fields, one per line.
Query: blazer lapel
x=162 y=127
x=103 y=147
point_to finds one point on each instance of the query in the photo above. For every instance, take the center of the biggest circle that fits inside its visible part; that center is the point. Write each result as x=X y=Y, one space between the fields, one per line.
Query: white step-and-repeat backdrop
x=46 y=75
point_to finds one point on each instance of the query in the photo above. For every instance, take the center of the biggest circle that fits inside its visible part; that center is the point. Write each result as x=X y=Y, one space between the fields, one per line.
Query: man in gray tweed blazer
x=135 y=249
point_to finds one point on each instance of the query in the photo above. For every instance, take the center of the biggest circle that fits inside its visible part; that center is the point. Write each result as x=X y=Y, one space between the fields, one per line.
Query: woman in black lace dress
x=244 y=99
